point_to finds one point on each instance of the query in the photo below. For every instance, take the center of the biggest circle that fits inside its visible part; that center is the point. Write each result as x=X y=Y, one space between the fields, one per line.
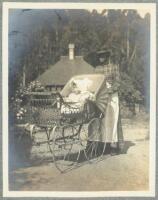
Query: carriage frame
x=69 y=135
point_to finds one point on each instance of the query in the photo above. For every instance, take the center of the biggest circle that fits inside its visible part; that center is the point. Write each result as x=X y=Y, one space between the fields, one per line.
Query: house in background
x=58 y=75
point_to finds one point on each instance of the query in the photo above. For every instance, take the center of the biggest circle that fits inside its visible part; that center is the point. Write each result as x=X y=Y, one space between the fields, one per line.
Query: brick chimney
x=71 y=51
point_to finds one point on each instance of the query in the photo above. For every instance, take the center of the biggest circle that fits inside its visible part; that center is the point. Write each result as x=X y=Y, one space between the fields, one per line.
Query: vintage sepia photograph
x=79 y=108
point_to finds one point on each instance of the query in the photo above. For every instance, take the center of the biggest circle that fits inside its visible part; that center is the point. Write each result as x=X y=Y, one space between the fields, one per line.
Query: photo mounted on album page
x=79 y=99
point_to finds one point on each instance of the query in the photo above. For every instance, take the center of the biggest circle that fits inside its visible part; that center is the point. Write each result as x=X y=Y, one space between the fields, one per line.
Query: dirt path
x=127 y=171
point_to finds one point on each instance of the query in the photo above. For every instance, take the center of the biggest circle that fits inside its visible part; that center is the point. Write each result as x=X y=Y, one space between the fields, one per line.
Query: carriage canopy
x=94 y=83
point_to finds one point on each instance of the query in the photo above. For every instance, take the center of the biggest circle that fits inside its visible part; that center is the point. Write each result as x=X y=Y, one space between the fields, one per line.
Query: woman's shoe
x=113 y=151
x=121 y=147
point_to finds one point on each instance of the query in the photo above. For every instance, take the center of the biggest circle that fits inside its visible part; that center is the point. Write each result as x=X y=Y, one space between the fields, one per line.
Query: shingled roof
x=64 y=69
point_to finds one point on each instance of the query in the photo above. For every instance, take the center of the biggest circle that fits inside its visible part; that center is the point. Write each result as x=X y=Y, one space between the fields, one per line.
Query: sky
x=142 y=13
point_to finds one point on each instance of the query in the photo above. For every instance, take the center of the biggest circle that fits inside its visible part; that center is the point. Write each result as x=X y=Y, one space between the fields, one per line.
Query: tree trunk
x=127 y=53
x=24 y=76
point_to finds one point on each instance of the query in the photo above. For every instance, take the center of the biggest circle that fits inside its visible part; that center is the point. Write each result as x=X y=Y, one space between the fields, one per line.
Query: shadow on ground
x=20 y=161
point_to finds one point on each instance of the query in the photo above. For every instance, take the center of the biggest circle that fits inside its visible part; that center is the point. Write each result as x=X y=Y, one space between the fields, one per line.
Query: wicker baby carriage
x=67 y=122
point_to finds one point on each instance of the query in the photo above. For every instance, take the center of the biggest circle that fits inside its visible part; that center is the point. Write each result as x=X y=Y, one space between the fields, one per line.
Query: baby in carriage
x=78 y=96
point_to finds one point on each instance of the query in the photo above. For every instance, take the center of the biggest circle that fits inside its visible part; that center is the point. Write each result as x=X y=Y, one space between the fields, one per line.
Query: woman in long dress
x=110 y=128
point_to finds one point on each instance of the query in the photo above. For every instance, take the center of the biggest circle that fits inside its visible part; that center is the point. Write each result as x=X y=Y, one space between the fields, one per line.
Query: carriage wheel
x=65 y=147
x=94 y=150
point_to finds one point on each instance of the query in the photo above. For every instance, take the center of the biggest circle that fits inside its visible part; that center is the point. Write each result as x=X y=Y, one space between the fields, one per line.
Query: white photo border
x=151 y=7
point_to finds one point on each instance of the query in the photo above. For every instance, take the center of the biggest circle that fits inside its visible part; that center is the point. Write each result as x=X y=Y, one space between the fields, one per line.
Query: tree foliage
x=123 y=31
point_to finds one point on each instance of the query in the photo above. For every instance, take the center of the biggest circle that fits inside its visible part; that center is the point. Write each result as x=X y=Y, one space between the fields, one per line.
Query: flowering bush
x=19 y=103
x=34 y=86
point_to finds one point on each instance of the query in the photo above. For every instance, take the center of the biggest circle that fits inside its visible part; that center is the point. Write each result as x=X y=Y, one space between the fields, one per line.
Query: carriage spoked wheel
x=65 y=146
x=94 y=149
